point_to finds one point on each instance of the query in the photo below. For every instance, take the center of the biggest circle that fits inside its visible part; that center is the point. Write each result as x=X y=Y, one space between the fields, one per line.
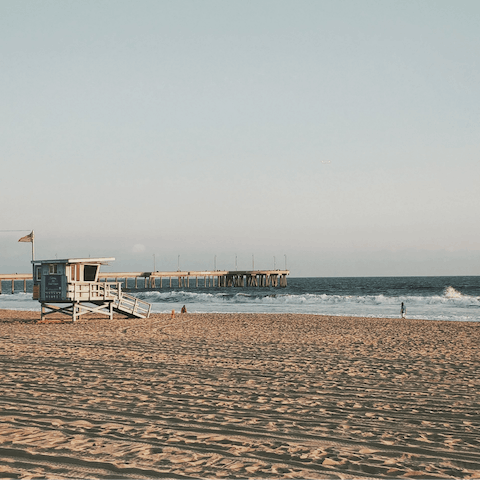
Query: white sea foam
x=451 y=296
x=451 y=305
x=450 y=292
x=18 y=301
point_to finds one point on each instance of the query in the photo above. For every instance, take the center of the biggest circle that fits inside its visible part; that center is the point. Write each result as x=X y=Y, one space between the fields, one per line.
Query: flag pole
x=33 y=246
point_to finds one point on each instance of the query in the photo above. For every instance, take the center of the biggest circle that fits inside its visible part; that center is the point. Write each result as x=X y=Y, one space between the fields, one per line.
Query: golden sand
x=239 y=396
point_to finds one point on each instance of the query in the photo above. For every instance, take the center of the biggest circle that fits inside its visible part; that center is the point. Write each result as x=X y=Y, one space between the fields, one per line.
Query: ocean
x=431 y=298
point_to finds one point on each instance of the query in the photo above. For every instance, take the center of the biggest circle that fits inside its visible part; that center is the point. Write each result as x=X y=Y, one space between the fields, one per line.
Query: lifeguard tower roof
x=100 y=260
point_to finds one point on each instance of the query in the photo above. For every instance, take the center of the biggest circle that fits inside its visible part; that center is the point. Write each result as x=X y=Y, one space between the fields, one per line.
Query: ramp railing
x=108 y=292
x=132 y=305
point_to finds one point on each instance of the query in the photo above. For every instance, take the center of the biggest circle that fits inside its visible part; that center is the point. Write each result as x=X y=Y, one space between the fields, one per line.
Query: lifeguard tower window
x=90 y=273
x=39 y=272
x=52 y=268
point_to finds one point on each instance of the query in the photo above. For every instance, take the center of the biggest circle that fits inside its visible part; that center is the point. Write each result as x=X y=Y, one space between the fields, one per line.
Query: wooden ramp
x=131 y=306
x=102 y=298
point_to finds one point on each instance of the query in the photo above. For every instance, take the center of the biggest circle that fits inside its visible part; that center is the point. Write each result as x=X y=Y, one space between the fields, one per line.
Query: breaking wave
x=450 y=292
x=450 y=296
x=449 y=304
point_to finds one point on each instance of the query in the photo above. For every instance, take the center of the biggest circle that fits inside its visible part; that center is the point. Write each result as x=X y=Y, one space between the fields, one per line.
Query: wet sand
x=238 y=396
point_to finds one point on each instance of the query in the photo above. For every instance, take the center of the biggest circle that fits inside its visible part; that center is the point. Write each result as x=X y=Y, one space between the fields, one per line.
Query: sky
x=338 y=138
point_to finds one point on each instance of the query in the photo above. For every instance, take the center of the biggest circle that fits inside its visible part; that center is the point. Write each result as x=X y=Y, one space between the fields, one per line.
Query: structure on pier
x=72 y=287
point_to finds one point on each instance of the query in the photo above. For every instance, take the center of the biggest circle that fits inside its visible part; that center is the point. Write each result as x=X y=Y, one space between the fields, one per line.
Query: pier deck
x=181 y=279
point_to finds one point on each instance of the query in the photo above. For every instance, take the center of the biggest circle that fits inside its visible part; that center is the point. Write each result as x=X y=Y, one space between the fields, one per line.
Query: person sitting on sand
x=403 y=310
x=184 y=309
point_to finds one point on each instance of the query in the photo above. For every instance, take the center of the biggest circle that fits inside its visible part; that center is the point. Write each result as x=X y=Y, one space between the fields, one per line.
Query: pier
x=179 y=279
x=12 y=277
x=215 y=278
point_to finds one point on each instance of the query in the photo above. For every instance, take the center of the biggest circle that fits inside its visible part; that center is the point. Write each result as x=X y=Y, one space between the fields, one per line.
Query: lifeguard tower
x=70 y=286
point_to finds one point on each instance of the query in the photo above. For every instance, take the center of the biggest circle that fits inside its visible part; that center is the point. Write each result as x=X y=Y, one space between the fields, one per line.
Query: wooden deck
x=180 y=279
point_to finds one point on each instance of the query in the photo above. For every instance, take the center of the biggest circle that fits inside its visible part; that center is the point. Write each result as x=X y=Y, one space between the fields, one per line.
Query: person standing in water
x=403 y=310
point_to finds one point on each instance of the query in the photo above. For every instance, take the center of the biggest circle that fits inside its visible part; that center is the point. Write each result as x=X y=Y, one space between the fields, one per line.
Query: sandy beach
x=239 y=396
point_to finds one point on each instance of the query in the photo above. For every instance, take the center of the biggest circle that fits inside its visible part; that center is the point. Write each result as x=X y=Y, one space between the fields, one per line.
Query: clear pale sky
x=342 y=134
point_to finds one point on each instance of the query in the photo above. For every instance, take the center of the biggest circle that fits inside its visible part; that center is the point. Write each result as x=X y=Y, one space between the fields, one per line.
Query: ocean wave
x=450 y=292
x=450 y=296
x=449 y=304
